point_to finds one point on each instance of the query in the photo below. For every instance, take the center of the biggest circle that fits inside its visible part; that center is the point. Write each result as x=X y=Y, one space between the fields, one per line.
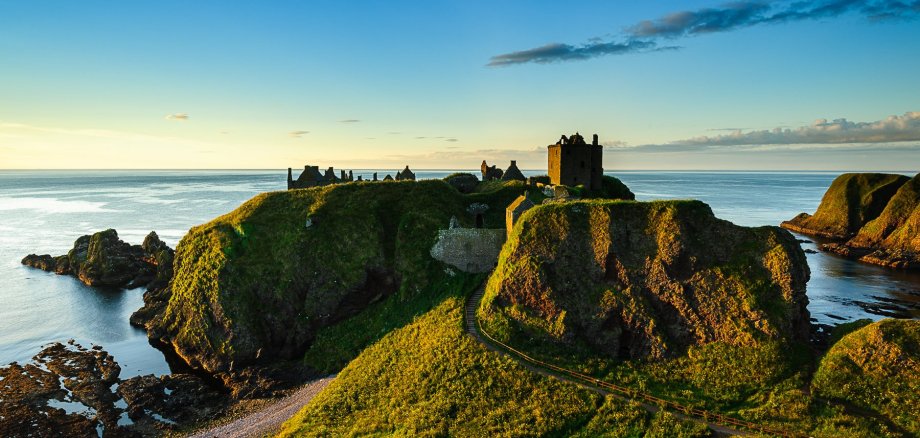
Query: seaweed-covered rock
x=878 y=368
x=254 y=286
x=646 y=280
x=102 y=259
x=852 y=200
x=83 y=379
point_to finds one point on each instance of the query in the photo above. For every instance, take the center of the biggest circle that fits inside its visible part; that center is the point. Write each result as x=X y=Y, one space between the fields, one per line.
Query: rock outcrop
x=646 y=280
x=102 y=259
x=890 y=237
x=253 y=287
x=82 y=379
x=877 y=367
x=852 y=200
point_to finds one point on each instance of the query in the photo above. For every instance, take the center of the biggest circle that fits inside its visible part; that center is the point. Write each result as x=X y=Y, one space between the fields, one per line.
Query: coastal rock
x=892 y=237
x=102 y=259
x=646 y=280
x=876 y=367
x=852 y=200
x=82 y=380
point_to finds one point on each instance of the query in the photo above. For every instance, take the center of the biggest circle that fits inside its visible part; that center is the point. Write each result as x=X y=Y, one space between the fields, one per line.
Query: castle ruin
x=312 y=177
x=573 y=162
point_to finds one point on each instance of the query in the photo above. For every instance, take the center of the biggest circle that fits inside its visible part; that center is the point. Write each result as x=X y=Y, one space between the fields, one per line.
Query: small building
x=513 y=173
x=573 y=162
x=515 y=210
x=405 y=175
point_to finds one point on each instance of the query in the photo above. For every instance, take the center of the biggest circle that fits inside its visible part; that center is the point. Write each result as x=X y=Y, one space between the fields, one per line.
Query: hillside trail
x=471 y=324
x=268 y=420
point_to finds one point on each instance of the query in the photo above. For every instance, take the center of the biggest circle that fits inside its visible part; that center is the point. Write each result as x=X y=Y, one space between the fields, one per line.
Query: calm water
x=44 y=212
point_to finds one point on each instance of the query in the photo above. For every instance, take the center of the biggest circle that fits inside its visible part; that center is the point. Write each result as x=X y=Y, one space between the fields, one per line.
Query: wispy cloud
x=298 y=134
x=557 y=52
x=646 y=35
x=349 y=121
x=892 y=129
x=179 y=117
x=452 y=140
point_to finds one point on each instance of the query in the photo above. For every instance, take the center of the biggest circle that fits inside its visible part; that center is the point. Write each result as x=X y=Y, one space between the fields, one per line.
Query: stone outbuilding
x=515 y=210
x=405 y=174
x=513 y=173
x=490 y=173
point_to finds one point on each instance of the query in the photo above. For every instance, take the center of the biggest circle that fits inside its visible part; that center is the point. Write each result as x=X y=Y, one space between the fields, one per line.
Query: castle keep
x=573 y=162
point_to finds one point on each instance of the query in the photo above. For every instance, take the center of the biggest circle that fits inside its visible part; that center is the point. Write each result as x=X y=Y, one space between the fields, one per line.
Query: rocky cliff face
x=647 y=280
x=102 y=259
x=852 y=200
x=254 y=286
x=891 y=237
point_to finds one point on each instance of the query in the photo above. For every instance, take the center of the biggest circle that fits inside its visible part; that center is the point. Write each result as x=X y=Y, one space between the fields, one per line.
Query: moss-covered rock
x=852 y=200
x=646 y=280
x=257 y=284
x=102 y=259
x=878 y=368
x=893 y=238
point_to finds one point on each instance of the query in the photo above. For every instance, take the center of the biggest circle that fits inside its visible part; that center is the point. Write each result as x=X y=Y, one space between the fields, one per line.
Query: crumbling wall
x=469 y=249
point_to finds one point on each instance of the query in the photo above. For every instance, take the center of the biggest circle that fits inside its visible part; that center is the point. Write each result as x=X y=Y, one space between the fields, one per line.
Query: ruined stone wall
x=469 y=249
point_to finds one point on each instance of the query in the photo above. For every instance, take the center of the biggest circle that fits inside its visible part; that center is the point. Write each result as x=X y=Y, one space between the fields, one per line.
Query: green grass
x=429 y=378
x=852 y=200
x=573 y=277
x=257 y=285
x=877 y=368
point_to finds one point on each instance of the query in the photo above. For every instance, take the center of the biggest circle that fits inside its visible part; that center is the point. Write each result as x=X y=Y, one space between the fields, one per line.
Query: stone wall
x=469 y=249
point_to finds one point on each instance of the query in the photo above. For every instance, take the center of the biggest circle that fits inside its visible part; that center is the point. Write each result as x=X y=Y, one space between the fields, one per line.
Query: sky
x=669 y=85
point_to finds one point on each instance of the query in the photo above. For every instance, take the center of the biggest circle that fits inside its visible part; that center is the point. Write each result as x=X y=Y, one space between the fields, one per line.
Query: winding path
x=270 y=418
x=601 y=387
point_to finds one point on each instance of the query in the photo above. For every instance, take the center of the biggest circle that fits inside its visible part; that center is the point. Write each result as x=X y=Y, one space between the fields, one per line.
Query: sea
x=43 y=212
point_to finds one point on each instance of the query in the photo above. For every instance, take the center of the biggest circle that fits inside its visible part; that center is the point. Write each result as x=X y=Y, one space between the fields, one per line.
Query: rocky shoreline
x=70 y=390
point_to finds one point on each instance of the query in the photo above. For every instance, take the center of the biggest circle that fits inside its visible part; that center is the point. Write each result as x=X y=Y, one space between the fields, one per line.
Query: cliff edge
x=646 y=280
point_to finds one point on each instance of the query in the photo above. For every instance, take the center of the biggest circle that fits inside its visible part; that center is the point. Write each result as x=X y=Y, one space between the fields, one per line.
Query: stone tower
x=573 y=162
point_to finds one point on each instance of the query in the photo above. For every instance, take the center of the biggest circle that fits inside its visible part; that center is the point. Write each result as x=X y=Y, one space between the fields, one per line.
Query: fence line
x=628 y=393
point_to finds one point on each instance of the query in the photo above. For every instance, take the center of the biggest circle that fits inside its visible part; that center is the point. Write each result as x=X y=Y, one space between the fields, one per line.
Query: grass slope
x=429 y=378
x=257 y=284
x=573 y=278
x=877 y=367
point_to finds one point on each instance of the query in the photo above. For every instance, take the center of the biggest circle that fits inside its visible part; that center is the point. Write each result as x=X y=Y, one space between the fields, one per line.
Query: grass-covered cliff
x=258 y=283
x=646 y=280
x=852 y=200
x=429 y=378
x=877 y=368
x=880 y=214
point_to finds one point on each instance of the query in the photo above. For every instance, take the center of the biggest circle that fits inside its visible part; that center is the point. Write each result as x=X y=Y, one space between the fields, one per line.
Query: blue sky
x=97 y=84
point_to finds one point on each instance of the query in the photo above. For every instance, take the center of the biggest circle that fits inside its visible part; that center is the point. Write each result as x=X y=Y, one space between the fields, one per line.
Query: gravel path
x=270 y=418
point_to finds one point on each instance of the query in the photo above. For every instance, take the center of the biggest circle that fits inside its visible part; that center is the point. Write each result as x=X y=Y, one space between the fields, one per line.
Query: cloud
x=645 y=35
x=564 y=52
x=179 y=117
x=298 y=134
x=892 y=129
x=349 y=121
x=452 y=140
